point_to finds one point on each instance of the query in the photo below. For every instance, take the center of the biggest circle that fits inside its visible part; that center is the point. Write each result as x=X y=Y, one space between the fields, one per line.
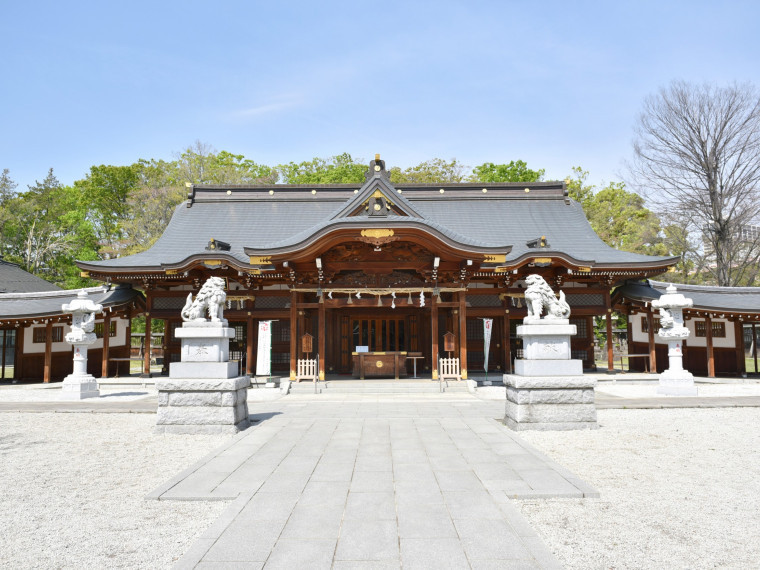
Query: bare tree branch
x=697 y=156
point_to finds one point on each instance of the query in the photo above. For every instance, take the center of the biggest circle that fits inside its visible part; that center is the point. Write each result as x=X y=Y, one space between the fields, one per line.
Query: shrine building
x=379 y=268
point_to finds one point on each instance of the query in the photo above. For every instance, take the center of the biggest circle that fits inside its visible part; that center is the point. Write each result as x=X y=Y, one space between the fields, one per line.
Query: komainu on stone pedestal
x=548 y=390
x=204 y=393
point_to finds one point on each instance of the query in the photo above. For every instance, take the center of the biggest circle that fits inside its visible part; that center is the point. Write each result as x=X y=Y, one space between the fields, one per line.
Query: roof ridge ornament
x=377 y=168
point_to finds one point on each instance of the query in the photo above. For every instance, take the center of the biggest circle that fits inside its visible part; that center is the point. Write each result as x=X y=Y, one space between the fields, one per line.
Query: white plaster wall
x=31 y=347
x=728 y=342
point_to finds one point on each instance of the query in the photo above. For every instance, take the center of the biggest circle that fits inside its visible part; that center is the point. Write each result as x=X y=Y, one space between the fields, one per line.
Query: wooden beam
x=710 y=352
x=293 y=334
x=463 y=334
x=106 y=344
x=48 y=351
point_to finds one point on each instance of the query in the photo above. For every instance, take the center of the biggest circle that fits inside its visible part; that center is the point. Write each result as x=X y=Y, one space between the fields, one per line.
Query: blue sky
x=556 y=84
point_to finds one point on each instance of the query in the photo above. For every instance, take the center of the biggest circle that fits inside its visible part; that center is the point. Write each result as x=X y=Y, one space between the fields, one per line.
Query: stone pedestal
x=194 y=405
x=79 y=387
x=204 y=393
x=550 y=402
x=675 y=381
x=548 y=390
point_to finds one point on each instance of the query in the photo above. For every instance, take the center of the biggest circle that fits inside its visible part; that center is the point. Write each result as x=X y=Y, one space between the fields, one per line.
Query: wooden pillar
x=463 y=334
x=710 y=352
x=148 y=342
x=610 y=340
x=434 y=335
x=249 y=338
x=629 y=336
x=106 y=343
x=507 y=343
x=322 y=334
x=293 y=334
x=129 y=347
x=48 y=351
x=754 y=345
x=652 y=350
x=741 y=366
x=18 y=369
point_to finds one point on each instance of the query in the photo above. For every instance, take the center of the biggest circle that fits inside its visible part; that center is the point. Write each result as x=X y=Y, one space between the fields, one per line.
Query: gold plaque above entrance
x=377 y=233
x=377 y=237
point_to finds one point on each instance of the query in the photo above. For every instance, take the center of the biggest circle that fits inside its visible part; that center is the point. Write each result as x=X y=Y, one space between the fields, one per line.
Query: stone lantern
x=79 y=384
x=675 y=381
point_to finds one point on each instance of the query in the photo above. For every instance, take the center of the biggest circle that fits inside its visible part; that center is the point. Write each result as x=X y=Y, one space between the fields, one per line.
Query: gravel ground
x=650 y=390
x=680 y=488
x=73 y=488
x=36 y=394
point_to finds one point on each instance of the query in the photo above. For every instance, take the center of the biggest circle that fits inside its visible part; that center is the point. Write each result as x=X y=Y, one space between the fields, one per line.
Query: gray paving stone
x=217 y=565
x=372 y=482
x=333 y=472
x=409 y=456
x=489 y=539
x=324 y=493
x=285 y=482
x=196 y=486
x=368 y=540
x=472 y=504
x=458 y=481
x=379 y=506
x=238 y=544
x=546 y=479
x=422 y=520
x=504 y=565
x=432 y=554
x=314 y=522
x=269 y=507
x=413 y=472
x=295 y=553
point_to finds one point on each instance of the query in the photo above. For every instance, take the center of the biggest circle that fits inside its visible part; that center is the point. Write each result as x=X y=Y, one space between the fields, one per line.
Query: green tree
x=201 y=164
x=7 y=193
x=339 y=169
x=106 y=191
x=514 y=171
x=50 y=229
x=618 y=216
x=433 y=171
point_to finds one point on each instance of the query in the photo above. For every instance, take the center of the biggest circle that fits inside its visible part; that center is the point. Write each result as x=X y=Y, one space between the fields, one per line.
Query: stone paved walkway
x=377 y=482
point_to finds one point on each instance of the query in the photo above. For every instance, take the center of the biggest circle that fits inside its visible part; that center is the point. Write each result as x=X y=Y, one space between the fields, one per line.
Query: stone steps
x=377 y=387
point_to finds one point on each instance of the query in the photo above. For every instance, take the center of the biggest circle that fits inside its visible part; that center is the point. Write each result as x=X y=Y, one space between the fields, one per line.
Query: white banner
x=264 y=352
x=487 y=325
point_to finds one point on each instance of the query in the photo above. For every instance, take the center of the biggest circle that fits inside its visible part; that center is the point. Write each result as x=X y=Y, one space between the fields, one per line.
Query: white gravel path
x=680 y=488
x=36 y=394
x=704 y=390
x=73 y=488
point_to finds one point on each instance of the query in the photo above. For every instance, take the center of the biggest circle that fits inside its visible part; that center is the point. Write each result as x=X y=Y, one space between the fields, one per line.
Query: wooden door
x=379 y=335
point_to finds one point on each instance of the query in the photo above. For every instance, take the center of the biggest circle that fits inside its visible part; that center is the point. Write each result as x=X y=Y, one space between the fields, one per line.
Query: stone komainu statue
x=539 y=296
x=210 y=298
